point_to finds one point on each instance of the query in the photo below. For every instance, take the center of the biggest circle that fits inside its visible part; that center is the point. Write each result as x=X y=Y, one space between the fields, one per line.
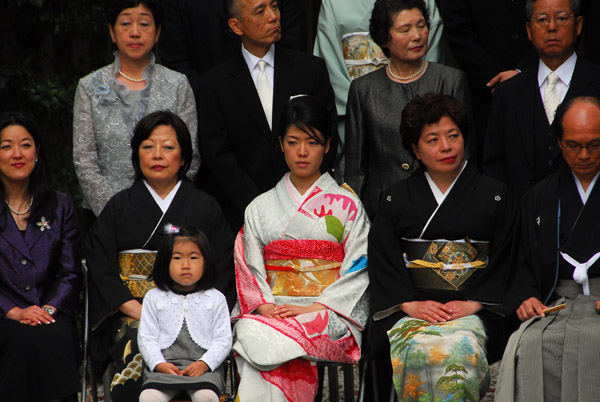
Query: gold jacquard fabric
x=362 y=55
x=301 y=277
x=135 y=268
x=442 y=264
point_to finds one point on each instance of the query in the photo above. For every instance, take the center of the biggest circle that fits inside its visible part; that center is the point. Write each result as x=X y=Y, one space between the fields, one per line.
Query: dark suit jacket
x=486 y=38
x=517 y=119
x=241 y=155
x=195 y=36
x=591 y=30
x=41 y=267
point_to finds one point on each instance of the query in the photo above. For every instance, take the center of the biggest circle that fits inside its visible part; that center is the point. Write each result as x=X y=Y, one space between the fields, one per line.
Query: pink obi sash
x=302 y=267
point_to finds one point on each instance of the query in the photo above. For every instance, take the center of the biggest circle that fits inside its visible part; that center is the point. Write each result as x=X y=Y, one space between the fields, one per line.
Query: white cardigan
x=163 y=315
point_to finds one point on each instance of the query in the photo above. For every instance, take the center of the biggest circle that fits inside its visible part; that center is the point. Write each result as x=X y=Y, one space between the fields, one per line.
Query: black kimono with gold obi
x=463 y=253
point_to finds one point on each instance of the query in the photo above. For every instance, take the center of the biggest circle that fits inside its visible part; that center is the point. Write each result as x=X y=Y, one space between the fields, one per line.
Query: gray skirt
x=555 y=358
x=182 y=353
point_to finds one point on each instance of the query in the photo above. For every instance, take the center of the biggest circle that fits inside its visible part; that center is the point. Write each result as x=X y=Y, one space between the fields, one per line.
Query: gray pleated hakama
x=555 y=358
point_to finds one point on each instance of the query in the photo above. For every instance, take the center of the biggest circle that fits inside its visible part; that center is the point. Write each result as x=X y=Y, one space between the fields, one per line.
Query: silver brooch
x=537 y=220
x=497 y=198
x=43 y=224
x=389 y=198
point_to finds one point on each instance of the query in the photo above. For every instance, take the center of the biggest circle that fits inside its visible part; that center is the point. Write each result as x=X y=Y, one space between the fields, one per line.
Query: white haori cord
x=580 y=274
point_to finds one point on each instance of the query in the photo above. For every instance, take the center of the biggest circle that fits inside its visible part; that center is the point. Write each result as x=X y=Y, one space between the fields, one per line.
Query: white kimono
x=299 y=249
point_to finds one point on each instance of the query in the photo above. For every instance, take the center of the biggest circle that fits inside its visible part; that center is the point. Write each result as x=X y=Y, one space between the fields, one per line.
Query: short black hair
x=45 y=201
x=233 y=8
x=382 y=18
x=160 y=273
x=429 y=109
x=564 y=107
x=144 y=128
x=574 y=5
x=115 y=7
x=308 y=114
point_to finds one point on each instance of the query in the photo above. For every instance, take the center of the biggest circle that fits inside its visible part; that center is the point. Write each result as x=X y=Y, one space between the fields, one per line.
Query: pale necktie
x=551 y=96
x=265 y=93
x=580 y=273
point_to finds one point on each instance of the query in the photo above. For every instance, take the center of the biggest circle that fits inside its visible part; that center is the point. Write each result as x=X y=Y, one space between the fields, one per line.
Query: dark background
x=45 y=47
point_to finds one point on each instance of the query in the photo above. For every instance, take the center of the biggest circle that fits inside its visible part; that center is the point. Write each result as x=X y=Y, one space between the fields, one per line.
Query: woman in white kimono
x=300 y=269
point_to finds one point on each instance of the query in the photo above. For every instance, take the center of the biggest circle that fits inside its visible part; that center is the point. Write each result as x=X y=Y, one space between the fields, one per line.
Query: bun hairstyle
x=308 y=114
x=173 y=233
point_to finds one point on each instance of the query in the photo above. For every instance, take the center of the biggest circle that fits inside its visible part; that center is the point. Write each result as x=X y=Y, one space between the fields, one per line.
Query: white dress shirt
x=564 y=72
x=252 y=62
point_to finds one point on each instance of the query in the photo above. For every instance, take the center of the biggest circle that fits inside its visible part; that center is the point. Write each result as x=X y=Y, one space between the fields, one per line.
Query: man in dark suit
x=520 y=148
x=195 y=35
x=489 y=42
x=237 y=127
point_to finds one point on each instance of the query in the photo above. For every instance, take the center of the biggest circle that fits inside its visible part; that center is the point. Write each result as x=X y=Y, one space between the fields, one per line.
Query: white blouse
x=163 y=316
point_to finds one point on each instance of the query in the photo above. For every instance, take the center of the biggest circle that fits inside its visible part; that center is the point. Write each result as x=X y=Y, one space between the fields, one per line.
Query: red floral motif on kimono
x=297 y=379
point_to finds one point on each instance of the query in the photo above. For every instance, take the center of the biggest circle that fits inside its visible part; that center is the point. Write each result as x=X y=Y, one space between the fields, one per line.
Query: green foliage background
x=46 y=47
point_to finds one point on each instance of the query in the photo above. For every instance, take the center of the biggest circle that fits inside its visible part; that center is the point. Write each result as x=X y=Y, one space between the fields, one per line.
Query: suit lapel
x=528 y=97
x=34 y=233
x=581 y=80
x=283 y=85
x=12 y=235
x=245 y=90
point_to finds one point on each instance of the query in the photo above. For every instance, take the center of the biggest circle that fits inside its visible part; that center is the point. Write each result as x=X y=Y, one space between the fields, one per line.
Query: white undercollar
x=583 y=193
x=299 y=198
x=437 y=193
x=163 y=204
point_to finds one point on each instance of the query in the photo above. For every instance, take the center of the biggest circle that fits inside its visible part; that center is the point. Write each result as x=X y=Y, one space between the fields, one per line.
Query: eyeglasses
x=543 y=20
x=576 y=147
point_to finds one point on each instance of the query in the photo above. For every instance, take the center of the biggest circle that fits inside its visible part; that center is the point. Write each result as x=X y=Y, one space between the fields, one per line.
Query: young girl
x=185 y=333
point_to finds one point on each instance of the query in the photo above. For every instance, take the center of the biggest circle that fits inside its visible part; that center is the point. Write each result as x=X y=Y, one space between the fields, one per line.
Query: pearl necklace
x=405 y=78
x=131 y=79
x=14 y=211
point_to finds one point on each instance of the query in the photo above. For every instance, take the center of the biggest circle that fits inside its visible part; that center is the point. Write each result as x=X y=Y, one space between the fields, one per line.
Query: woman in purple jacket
x=40 y=272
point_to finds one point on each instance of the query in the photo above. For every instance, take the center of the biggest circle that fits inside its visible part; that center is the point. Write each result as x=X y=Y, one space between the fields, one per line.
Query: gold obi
x=301 y=277
x=361 y=54
x=135 y=268
x=443 y=264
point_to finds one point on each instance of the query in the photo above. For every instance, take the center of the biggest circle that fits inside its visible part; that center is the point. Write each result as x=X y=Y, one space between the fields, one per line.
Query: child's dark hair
x=160 y=274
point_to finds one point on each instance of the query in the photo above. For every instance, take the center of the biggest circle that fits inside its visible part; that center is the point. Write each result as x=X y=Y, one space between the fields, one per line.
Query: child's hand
x=167 y=368
x=196 y=369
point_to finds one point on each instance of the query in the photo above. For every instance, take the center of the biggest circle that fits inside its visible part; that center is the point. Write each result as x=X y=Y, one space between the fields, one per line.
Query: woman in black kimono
x=438 y=256
x=122 y=243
